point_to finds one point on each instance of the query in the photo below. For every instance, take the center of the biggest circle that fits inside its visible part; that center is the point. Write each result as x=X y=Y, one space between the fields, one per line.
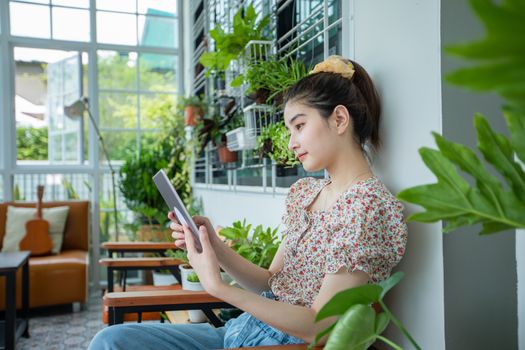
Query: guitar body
x=37 y=239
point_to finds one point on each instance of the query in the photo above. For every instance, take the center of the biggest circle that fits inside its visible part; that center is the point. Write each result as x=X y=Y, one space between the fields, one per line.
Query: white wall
x=398 y=42
x=224 y=207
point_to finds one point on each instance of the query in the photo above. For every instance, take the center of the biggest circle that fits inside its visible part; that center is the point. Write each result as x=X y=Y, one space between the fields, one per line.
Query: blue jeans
x=244 y=331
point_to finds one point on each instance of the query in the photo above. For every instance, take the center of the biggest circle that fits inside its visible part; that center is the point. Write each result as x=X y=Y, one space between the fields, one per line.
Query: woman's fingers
x=173 y=217
x=190 y=244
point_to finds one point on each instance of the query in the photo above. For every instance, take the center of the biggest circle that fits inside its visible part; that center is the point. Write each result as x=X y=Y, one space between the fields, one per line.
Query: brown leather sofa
x=61 y=278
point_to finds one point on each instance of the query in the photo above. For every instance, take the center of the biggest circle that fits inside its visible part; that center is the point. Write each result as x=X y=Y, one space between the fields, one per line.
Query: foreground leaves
x=359 y=325
x=497 y=206
x=500 y=55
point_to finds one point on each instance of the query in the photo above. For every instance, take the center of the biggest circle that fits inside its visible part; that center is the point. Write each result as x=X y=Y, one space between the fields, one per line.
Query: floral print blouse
x=364 y=230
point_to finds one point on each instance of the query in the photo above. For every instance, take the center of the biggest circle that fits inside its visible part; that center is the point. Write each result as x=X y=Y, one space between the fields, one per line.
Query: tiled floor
x=61 y=328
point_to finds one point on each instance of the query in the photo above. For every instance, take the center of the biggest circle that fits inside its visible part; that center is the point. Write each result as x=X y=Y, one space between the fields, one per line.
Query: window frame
x=93 y=169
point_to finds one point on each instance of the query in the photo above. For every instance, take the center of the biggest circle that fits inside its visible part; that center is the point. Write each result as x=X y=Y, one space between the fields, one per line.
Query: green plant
x=359 y=325
x=31 y=143
x=273 y=142
x=259 y=248
x=196 y=101
x=228 y=46
x=498 y=206
x=214 y=129
x=178 y=254
x=273 y=75
x=168 y=152
x=192 y=277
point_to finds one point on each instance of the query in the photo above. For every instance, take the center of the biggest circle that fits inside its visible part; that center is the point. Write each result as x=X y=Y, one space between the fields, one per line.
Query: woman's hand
x=178 y=232
x=205 y=264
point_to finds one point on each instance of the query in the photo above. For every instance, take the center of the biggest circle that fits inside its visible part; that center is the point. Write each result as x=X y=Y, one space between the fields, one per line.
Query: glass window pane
x=158 y=72
x=120 y=144
x=70 y=24
x=118 y=110
x=117 y=70
x=158 y=31
x=158 y=7
x=2 y=188
x=116 y=28
x=46 y=81
x=30 y=20
x=156 y=110
x=72 y=3
x=38 y=1
x=58 y=187
x=120 y=5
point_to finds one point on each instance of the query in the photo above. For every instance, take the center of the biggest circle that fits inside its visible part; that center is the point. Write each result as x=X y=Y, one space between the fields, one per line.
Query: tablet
x=172 y=199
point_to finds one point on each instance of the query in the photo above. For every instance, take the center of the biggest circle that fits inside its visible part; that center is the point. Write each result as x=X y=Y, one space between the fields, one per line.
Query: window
x=127 y=76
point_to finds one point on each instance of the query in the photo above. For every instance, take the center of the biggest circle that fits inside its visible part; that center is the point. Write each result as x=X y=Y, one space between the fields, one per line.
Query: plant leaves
x=355 y=330
x=342 y=301
x=390 y=282
x=516 y=123
x=501 y=52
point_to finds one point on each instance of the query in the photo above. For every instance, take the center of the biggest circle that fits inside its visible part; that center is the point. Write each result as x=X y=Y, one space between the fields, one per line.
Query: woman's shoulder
x=303 y=188
x=372 y=194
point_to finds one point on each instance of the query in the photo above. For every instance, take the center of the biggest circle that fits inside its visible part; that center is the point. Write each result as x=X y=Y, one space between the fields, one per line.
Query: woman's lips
x=301 y=156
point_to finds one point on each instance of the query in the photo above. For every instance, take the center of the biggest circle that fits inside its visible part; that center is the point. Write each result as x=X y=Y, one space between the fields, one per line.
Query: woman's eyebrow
x=295 y=117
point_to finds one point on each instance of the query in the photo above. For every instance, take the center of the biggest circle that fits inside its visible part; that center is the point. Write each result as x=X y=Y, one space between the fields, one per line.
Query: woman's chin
x=310 y=168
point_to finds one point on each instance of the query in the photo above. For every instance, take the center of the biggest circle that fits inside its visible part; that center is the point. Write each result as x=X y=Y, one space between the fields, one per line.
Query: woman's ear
x=342 y=119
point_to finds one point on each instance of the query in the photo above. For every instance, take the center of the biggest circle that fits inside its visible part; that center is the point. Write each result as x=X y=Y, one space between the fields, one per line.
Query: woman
x=340 y=233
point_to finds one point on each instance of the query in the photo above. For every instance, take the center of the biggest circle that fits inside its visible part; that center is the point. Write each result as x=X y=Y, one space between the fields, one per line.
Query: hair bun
x=335 y=64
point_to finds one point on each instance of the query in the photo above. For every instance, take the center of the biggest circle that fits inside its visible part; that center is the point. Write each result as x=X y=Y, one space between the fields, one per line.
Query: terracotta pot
x=192 y=115
x=225 y=155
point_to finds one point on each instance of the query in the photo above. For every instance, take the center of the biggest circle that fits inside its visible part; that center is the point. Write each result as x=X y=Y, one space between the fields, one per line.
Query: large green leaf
x=355 y=330
x=454 y=200
x=501 y=52
x=516 y=123
x=342 y=301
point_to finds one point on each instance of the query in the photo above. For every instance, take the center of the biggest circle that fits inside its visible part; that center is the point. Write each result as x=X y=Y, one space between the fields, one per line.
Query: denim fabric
x=246 y=331
x=158 y=336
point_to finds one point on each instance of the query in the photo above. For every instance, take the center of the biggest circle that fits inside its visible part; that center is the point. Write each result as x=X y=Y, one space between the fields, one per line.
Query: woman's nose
x=292 y=144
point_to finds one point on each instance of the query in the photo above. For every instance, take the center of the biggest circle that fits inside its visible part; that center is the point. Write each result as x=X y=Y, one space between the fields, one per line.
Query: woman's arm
x=294 y=320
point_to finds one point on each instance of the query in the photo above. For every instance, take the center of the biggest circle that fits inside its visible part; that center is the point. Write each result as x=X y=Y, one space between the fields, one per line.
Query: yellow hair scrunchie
x=335 y=64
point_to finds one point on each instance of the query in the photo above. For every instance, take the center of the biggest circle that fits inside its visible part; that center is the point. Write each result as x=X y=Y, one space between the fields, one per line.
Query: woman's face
x=312 y=138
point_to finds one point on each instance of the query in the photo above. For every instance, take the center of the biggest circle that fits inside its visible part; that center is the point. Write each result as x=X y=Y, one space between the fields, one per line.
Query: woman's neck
x=348 y=170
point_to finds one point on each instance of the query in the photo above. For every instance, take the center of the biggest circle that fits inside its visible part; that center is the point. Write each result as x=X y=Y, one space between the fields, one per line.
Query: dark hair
x=324 y=91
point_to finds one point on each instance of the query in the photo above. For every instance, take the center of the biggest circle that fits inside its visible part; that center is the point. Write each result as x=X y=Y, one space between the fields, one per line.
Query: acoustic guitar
x=37 y=238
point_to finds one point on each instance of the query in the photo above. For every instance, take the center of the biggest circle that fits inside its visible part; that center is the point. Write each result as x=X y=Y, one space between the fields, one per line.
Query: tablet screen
x=175 y=204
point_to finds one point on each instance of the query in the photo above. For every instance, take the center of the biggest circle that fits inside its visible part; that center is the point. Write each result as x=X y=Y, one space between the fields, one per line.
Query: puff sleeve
x=293 y=204
x=371 y=238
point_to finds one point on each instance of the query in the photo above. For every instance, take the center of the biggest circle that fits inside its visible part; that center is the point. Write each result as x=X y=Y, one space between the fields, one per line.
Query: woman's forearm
x=244 y=272
x=295 y=320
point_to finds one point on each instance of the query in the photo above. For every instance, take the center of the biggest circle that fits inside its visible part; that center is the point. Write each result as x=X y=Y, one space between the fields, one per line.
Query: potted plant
x=258 y=246
x=194 y=110
x=273 y=143
x=228 y=46
x=214 y=130
x=269 y=79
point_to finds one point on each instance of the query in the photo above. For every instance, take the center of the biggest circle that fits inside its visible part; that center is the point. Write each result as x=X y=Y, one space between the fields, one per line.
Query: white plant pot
x=163 y=279
x=185 y=270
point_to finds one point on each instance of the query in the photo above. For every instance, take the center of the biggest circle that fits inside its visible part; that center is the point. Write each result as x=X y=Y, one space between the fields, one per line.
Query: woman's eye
x=299 y=126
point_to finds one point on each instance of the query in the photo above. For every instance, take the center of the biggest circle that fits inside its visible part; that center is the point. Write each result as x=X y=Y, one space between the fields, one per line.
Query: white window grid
x=95 y=173
x=317 y=22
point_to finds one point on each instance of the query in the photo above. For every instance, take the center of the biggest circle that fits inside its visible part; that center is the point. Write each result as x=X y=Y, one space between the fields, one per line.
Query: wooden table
x=10 y=262
x=126 y=264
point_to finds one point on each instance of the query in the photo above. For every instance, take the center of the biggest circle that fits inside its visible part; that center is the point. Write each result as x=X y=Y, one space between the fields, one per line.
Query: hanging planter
x=225 y=155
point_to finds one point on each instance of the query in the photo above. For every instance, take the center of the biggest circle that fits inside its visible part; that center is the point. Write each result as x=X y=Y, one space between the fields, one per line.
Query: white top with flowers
x=364 y=230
